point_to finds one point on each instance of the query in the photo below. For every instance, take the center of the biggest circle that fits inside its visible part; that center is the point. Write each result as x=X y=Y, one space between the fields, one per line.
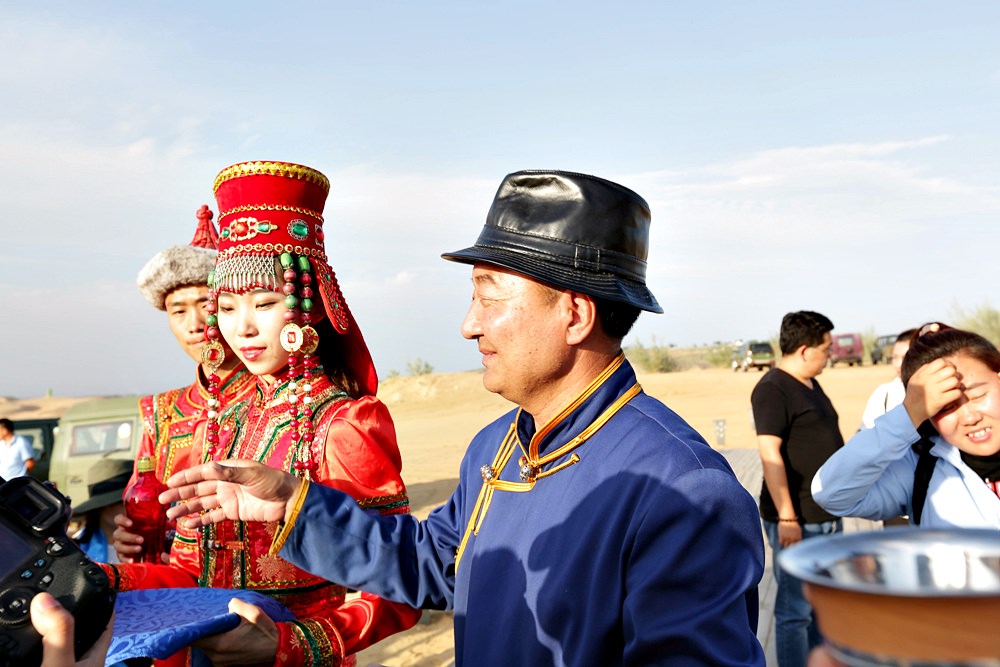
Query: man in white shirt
x=16 y=457
x=889 y=395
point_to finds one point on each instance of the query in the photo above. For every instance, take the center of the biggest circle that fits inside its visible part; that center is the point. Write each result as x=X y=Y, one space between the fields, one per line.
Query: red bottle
x=149 y=517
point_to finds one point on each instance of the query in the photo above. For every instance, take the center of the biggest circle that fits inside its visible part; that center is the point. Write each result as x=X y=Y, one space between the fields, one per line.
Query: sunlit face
x=251 y=324
x=517 y=325
x=817 y=356
x=971 y=422
x=186 y=315
x=899 y=351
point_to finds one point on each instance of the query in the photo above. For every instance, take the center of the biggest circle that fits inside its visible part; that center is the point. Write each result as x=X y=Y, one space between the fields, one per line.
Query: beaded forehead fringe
x=241 y=273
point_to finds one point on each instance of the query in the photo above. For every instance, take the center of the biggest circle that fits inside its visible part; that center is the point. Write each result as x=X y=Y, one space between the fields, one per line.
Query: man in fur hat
x=175 y=281
x=591 y=525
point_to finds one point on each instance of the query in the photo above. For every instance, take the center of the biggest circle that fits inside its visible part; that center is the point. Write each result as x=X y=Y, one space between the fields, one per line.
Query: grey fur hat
x=180 y=265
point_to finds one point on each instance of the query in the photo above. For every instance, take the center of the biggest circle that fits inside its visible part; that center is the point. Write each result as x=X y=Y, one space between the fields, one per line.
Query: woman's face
x=251 y=324
x=972 y=423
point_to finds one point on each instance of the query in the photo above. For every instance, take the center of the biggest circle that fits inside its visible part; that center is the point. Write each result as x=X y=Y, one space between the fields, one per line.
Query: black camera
x=36 y=555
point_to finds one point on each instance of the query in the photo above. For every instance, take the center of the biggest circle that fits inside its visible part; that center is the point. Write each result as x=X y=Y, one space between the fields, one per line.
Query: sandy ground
x=437 y=415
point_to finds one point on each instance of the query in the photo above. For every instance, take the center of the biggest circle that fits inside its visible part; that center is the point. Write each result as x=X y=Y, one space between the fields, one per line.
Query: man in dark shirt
x=797 y=431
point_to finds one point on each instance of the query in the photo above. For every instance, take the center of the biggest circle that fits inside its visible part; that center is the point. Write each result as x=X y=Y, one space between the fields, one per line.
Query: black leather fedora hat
x=569 y=230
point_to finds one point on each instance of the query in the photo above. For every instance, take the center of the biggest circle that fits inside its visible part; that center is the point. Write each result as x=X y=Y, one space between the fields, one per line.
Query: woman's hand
x=932 y=388
x=56 y=627
x=234 y=489
x=129 y=545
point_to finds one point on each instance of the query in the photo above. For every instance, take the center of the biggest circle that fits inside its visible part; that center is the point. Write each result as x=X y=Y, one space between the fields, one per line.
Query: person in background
x=797 y=430
x=935 y=457
x=591 y=525
x=175 y=281
x=275 y=301
x=16 y=457
x=889 y=395
x=106 y=482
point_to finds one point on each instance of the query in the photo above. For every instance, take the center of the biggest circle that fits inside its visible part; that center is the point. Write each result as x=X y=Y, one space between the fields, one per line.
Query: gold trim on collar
x=530 y=465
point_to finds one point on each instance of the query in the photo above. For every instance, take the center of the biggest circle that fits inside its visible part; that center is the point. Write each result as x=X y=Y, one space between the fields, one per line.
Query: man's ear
x=582 y=317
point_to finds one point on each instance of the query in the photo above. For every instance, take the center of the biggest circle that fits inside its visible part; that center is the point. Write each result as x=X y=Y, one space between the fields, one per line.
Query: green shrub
x=984 y=320
x=419 y=367
x=653 y=359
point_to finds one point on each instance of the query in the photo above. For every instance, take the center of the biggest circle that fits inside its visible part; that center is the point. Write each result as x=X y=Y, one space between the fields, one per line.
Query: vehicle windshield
x=101 y=438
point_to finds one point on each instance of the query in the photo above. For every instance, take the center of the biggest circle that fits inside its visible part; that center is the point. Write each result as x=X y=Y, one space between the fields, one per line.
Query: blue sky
x=841 y=157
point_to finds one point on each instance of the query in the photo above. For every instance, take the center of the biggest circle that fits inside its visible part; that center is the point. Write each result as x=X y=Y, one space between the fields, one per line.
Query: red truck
x=846 y=347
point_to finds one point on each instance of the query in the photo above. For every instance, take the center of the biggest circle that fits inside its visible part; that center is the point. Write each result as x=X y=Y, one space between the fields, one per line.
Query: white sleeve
x=875 y=407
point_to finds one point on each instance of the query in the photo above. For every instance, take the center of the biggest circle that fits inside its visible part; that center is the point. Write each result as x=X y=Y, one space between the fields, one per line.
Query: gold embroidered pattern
x=272 y=568
x=317 y=644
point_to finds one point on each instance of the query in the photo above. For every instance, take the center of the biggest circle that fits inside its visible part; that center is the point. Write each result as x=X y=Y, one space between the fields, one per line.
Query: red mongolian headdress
x=270 y=208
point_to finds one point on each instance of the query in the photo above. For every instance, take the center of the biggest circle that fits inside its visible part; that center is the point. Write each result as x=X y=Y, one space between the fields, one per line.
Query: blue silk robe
x=646 y=550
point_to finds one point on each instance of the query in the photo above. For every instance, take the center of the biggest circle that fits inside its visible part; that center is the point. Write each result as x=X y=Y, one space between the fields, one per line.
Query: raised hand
x=234 y=489
x=932 y=388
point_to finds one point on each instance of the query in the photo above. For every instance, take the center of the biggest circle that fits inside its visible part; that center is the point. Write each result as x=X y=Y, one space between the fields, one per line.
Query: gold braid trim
x=271 y=207
x=316 y=643
x=511 y=442
x=486 y=491
x=285 y=527
x=285 y=169
x=270 y=249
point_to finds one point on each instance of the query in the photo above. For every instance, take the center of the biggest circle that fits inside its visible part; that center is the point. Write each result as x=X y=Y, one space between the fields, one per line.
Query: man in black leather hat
x=591 y=525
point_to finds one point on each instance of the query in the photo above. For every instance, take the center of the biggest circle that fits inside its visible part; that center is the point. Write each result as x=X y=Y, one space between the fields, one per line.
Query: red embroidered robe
x=359 y=456
x=174 y=421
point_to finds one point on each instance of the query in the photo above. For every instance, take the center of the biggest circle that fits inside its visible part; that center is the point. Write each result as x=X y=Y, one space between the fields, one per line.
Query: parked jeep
x=881 y=352
x=88 y=432
x=755 y=354
x=846 y=347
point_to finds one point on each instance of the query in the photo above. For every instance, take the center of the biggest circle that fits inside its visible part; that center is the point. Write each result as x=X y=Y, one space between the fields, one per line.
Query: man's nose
x=195 y=320
x=470 y=324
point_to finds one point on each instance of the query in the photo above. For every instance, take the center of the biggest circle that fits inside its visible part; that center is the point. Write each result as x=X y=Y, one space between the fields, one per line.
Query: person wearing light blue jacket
x=935 y=457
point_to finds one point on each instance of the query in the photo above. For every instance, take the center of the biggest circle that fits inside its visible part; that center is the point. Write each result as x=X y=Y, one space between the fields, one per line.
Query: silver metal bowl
x=901 y=561
x=904 y=596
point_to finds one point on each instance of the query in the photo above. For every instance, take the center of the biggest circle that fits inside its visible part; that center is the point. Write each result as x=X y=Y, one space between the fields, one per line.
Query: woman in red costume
x=277 y=303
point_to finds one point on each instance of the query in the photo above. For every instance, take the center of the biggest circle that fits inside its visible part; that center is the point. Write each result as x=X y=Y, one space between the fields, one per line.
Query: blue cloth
x=872 y=477
x=96 y=546
x=157 y=623
x=796 y=632
x=646 y=551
